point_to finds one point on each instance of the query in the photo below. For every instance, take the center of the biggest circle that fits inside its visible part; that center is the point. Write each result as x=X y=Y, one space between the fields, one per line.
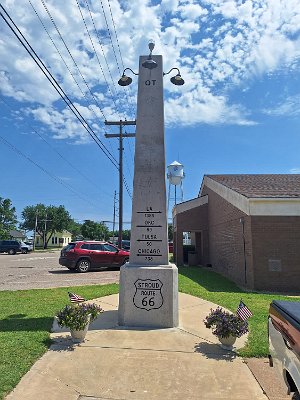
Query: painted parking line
x=33 y=258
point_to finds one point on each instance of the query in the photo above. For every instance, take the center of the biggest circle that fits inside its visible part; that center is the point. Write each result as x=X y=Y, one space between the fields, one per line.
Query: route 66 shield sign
x=148 y=294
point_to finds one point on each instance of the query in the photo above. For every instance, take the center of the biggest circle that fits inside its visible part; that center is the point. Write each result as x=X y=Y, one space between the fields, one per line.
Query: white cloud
x=191 y=11
x=204 y=108
x=169 y=5
x=272 y=51
x=294 y=171
x=63 y=124
x=289 y=107
x=218 y=45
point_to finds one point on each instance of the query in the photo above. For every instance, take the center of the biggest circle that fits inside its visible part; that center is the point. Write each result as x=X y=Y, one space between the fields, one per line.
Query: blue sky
x=238 y=111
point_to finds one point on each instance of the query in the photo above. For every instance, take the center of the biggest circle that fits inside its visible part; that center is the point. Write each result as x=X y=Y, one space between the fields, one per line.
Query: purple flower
x=76 y=316
x=225 y=324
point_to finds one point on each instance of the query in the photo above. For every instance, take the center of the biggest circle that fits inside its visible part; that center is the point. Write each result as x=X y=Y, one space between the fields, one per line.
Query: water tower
x=175 y=175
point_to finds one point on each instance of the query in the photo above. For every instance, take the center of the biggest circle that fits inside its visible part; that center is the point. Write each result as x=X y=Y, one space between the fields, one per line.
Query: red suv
x=86 y=255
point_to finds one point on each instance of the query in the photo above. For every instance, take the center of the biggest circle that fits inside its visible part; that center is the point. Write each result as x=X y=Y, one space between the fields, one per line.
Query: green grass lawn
x=26 y=317
x=211 y=286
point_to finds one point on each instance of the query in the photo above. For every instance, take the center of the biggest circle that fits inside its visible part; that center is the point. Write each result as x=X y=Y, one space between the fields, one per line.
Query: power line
x=109 y=34
x=96 y=54
x=56 y=151
x=66 y=65
x=104 y=221
x=75 y=63
x=113 y=48
x=60 y=91
x=100 y=43
x=112 y=149
x=121 y=136
x=91 y=40
x=117 y=40
x=62 y=58
x=127 y=187
x=112 y=18
x=57 y=87
x=16 y=150
x=121 y=176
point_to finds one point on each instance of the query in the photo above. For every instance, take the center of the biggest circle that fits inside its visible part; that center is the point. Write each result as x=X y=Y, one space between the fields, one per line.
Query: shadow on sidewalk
x=214 y=351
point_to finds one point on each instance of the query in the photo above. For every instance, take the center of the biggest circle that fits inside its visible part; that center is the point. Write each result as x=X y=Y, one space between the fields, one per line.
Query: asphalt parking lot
x=42 y=270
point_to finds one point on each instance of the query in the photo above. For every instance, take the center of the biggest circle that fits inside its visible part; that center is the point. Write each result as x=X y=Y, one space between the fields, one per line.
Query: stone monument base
x=148 y=296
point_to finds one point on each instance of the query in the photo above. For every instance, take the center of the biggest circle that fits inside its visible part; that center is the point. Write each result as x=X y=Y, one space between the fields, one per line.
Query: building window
x=52 y=240
x=55 y=239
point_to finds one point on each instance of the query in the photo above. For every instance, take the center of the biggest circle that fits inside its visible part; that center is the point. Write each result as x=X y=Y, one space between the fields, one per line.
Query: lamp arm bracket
x=167 y=73
x=129 y=70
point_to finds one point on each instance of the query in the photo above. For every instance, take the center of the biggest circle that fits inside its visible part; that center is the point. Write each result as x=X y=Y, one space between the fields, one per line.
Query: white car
x=26 y=247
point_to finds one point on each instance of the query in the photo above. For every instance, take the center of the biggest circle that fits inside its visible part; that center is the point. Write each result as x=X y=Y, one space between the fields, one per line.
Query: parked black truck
x=10 y=246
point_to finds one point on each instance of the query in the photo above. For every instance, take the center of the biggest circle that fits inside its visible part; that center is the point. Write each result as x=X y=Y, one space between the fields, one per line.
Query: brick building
x=247 y=227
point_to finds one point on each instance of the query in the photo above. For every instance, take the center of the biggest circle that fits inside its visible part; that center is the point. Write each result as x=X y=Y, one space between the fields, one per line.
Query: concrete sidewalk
x=184 y=363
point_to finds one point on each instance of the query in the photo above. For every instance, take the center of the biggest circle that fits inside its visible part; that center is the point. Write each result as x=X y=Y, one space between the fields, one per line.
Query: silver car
x=26 y=247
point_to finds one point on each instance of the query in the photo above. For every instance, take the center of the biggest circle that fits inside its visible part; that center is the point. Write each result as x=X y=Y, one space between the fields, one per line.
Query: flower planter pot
x=79 y=336
x=227 y=342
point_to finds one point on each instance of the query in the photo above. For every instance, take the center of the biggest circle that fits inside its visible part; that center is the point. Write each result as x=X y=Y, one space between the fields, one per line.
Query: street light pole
x=149 y=281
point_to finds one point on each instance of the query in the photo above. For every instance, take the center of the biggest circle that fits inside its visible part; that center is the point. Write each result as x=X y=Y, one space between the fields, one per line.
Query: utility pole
x=34 y=233
x=114 y=217
x=120 y=136
x=45 y=229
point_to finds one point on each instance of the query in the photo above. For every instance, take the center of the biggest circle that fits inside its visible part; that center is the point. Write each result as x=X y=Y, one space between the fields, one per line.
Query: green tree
x=8 y=218
x=170 y=232
x=94 y=230
x=126 y=234
x=75 y=229
x=49 y=220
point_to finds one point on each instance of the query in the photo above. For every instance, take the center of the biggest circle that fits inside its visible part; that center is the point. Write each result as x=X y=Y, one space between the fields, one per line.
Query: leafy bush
x=75 y=317
x=225 y=324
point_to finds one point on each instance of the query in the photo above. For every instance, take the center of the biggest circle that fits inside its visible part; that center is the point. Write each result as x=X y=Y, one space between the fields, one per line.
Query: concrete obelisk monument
x=148 y=283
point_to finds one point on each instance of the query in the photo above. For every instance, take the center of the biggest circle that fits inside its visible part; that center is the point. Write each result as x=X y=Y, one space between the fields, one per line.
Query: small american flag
x=75 y=298
x=243 y=311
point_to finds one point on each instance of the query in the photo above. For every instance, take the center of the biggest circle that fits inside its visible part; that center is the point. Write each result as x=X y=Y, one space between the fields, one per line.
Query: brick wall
x=226 y=246
x=272 y=244
x=276 y=239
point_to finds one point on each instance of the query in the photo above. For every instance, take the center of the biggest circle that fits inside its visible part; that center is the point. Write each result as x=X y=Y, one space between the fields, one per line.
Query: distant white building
x=58 y=239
